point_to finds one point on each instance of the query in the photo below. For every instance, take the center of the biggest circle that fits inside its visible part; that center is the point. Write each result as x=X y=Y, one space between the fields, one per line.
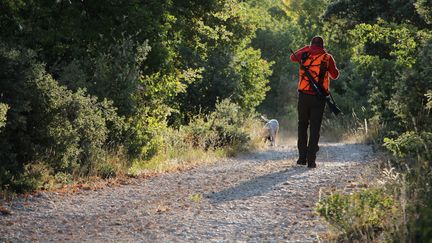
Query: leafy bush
x=224 y=132
x=410 y=145
x=222 y=128
x=113 y=73
x=47 y=122
x=360 y=216
x=199 y=133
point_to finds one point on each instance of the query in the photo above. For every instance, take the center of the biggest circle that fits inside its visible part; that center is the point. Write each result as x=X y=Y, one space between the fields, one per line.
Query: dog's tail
x=264 y=119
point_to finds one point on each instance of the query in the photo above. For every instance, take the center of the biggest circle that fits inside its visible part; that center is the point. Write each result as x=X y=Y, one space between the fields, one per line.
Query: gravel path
x=262 y=196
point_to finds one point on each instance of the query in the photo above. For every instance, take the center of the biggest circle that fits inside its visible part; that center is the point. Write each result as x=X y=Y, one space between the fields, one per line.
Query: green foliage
x=388 y=74
x=253 y=72
x=68 y=130
x=228 y=120
x=424 y=9
x=361 y=215
x=225 y=127
x=411 y=144
x=220 y=46
x=281 y=26
x=224 y=132
x=63 y=178
x=199 y=133
x=62 y=30
x=334 y=209
x=307 y=14
x=116 y=74
x=274 y=43
x=120 y=73
x=113 y=73
x=409 y=101
x=354 y=12
x=388 y=69
x=155 y=104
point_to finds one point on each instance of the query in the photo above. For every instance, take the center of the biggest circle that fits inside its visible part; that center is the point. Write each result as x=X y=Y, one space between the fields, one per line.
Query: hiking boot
x=310 y=165
x=311 y=161
x=301 y=161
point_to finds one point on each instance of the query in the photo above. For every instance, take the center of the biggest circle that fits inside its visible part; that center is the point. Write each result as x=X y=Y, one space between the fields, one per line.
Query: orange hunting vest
x=317 y=65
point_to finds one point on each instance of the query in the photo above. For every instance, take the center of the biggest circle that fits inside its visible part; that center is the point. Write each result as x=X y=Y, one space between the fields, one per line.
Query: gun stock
x=333 y=107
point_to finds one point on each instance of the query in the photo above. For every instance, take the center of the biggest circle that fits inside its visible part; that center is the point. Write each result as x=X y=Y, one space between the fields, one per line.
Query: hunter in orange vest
x=310 y=106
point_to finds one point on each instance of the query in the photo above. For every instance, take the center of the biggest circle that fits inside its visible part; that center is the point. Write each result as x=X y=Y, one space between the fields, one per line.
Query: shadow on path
x=271 y=154
x=255 y=187
x=344 y=153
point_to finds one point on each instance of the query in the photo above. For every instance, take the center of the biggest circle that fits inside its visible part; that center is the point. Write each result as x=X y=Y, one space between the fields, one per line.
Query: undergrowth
x=223 y=133
x=398 y=208
x=353 y=126
x=365 y=216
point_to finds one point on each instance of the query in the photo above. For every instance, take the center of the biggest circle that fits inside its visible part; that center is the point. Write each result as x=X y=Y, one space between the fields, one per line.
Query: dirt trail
x=262 y=196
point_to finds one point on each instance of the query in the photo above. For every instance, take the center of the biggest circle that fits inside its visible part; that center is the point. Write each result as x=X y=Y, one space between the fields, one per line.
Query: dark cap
x=317 y=41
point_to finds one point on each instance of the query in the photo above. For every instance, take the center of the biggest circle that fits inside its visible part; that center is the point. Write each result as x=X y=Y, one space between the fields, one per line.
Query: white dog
x=270 y=130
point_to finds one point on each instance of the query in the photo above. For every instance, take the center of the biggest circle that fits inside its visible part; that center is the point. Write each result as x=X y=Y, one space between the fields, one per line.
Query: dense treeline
x=88 y=88
x=82 y=80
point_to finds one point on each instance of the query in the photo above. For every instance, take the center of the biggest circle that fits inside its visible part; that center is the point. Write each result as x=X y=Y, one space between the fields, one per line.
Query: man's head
x=317 y=41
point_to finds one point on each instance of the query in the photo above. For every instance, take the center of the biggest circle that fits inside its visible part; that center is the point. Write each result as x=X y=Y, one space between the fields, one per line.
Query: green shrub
x=224 y=132
x=62 y=178
x=47 y=122
x=360 y=216
x=225 y=127
x=112 y=73
x=411 y=145
x=199 y=133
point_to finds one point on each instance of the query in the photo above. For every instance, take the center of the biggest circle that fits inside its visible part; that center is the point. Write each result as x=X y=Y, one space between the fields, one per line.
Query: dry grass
x=350 y=128
x=175 y=161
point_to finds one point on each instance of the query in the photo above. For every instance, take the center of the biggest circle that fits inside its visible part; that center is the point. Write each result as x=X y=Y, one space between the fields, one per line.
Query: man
x=310 y=106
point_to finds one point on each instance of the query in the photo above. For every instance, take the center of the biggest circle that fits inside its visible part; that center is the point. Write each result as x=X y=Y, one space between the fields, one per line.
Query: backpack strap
x=323 y=69
x=305 y=56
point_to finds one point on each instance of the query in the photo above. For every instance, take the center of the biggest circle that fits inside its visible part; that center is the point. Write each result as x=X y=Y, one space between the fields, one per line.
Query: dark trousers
x=310 y=112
